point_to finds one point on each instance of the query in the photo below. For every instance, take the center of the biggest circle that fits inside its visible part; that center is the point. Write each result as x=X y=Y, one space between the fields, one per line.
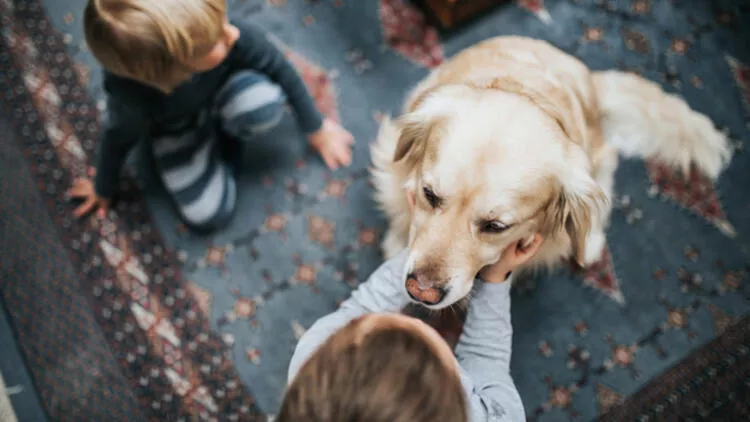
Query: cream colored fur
x=515 y=129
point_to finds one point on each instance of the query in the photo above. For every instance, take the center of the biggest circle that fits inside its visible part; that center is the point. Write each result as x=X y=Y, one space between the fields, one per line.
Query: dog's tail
x=640 y=119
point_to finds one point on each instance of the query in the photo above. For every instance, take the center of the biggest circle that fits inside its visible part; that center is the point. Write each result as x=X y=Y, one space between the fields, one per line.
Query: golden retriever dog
x=511 y=138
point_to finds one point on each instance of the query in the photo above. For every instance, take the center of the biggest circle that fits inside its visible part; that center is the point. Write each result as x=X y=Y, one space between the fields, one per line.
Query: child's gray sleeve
x=483 y=353
x=383 y=292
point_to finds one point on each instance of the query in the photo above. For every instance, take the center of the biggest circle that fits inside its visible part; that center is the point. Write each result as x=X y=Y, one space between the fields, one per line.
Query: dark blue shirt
x=134 y=109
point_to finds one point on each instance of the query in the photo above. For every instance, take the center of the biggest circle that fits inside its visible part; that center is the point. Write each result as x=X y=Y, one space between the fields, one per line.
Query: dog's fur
x=516 y=132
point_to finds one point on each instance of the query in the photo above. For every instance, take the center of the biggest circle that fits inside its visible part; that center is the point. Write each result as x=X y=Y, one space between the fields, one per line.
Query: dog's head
x=487 y=169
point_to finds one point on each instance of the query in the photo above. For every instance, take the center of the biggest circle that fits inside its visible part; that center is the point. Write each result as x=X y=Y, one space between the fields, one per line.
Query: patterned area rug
x=135 y=318
x=712 y=384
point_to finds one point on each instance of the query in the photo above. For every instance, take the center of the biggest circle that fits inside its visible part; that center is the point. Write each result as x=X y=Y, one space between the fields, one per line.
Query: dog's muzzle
x=424 y=292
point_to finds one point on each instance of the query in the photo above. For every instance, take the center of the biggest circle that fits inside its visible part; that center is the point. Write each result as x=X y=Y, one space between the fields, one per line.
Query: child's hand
x=515 y=255
x=83 y=188
x=333 y=143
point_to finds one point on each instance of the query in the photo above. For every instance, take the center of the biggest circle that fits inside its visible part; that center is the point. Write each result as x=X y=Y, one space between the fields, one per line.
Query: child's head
x=158 y=42
x=379 y=368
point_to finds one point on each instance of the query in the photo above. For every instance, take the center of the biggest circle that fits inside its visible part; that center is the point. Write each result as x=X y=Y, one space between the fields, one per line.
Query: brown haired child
x=368 y=363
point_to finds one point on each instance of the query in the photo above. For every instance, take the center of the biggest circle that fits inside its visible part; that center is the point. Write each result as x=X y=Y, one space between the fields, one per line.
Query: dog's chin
x=458 y=292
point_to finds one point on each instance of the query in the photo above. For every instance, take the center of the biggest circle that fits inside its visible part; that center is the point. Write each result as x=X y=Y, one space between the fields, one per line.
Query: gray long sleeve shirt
x=134 y=110
x=483 y=350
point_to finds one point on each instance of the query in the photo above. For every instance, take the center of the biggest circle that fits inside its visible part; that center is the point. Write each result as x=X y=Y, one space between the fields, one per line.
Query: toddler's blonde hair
x=152 y=41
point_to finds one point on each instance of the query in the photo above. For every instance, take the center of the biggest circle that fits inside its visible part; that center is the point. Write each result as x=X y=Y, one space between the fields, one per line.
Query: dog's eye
x=431 y=198
x=493 y=226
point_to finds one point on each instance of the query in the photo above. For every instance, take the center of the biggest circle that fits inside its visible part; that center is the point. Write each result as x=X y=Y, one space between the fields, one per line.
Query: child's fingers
x=79 y=188
x=526 y=251
x=345 y=157
x=84 y=208
x=329 y=159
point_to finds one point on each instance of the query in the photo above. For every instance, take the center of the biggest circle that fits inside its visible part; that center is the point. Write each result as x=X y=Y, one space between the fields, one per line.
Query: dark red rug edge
x=79 y=108
x=712 y=383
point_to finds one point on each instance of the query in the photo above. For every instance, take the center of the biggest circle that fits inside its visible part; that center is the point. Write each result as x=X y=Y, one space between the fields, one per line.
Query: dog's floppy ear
x=412 y=137
x=582 y=201
x=577 y=205
x=416 y=130
x=427 y=113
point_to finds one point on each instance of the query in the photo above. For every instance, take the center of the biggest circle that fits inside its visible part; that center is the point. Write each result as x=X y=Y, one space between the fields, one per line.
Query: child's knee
x=208 y=213
x=216 y=222
x=250 y=104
